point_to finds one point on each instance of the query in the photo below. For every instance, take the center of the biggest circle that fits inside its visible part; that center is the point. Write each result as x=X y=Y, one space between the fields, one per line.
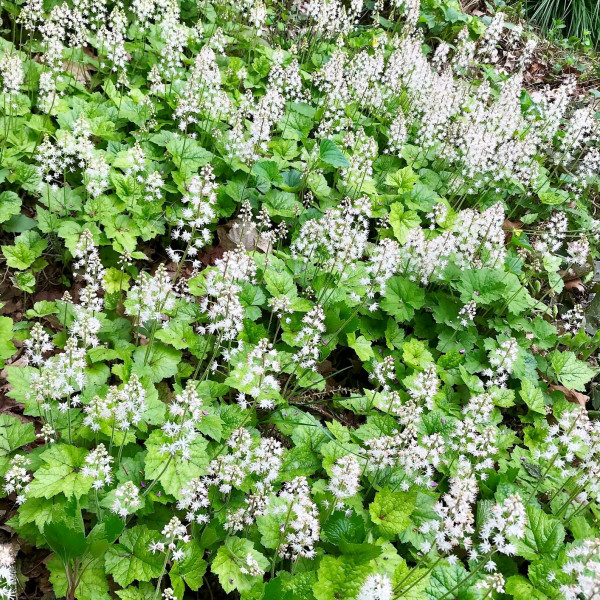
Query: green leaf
x=552 y=266
x=403 y=180
x=144 y=591
x=415 y=353
x=482 y=285
x=401 y=298
x=40 y=511
x=25 y=281
x=391 y=511
x=27 y=248
x=193 y=566
x=521 y=589
x=281 y=204
x=340 y=528
x=553 y=196
x=66 y=542
x=267 y=174
x=14 y=434
x=179 y=471
x=570 y=371
x=230 y=558
x=269 y=525
x=28 y=176
x=41 y=309
x=444 y=582
x=402 y=222
x=330 y=154
x=412 y=580
x=177 y=333
x=92 y=585
x=7 y=348
x=61 y=473
x=533 y=397
x=188 y=155
x=544 y=535
x=162 y=362
x=300 y=461
x=20 y=380
x=361 y=346
x=10 y=205
x=340 y=577
x=131 y=560
x=279 y=282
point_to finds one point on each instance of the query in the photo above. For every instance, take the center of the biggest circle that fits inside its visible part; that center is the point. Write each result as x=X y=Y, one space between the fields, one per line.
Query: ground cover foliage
x=307 y=305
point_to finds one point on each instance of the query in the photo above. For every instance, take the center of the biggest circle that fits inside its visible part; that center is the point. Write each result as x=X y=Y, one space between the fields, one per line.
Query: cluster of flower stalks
x=312 y=338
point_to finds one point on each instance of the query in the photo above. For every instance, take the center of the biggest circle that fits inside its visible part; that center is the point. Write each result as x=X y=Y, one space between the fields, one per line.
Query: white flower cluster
x=473 y=240
x=251 y=567
x=583 y=565
x=11 y=70
x=175 y=534
x=345 y=477
x=425 y=386
x=37 y=345
x=331 y=18
x=127 y=499
x=8 y=577
x=467 y=313
x=72 y=152
x=376 y=587
x=260 y=365
x=338 y=239
x=202 y=96
x=60 y=377
x=246 y=463
x=181 y=428
x=309 y=338
x=383 y=373
x=300 y=529
x=88 y=267
x=16 y=478
x=492 y=583
x=120 y=408
x=264 y=114
x=383 y=264
x=455 y=526
x=417 y=455
x=552 y=234
x=508 y=520
x=112 y=36
x=194 y=500
x=221 y=304
x=98 y=466
x=502 y=360
x=152 y=297
x=197 y=214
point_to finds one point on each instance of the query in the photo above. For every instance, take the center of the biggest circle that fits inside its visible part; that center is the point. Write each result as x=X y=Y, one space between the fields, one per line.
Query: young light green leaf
x=570 y=371
x=391 y=511
x=229 y=561
x=61 y=473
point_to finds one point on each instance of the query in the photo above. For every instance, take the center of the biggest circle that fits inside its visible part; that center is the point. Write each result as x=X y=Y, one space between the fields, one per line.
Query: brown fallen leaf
x=575 y=284
x=570 y=395
x=48 y=295
x=510 y=225
x=81 y=73
x=236 y=233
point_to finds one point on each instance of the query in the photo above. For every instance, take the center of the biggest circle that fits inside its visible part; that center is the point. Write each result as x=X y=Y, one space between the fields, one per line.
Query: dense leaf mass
x=302 y=304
